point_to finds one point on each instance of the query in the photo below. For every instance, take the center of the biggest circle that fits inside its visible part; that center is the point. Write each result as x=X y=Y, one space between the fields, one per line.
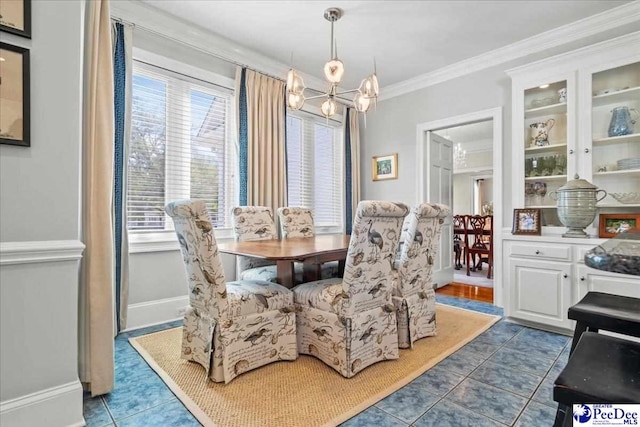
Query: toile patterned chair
x=254 y=223
x=229 y=328
x=298 y=222
x=413 y=293
x=350 y=323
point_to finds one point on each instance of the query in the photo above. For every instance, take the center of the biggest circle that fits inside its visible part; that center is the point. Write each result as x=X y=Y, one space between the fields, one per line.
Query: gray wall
x=40 y=189
x=392 y=128
x=40 y=185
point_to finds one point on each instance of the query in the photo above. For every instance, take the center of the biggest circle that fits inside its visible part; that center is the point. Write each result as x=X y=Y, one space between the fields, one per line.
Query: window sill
x=165 y=241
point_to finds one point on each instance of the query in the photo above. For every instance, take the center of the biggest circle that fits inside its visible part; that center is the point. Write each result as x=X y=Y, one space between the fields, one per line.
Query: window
x=315 y=168
x=181 y=147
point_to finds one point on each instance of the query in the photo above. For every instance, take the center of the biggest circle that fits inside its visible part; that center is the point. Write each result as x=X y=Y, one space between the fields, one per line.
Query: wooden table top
x=288 y=249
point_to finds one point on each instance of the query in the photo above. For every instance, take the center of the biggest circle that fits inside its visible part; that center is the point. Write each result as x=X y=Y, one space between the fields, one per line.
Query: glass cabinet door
x=545 y=147
x=615 y=137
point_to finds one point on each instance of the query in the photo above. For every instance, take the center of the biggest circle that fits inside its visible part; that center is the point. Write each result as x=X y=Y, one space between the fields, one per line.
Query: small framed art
x=384 y=167
x=14 y=95
x=526 y=222
x=613 y=224
x=15 y=17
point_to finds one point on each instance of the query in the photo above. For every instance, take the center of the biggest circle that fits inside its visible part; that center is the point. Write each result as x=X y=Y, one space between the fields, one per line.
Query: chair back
x=368 y=276
x=205 y=274
x=482 y=229
x=296 y=222
x=253 y=223
x=420 y=242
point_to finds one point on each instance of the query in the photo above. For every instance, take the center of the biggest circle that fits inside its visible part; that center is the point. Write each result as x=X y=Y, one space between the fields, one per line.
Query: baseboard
x=154 y=312
x=56 y=406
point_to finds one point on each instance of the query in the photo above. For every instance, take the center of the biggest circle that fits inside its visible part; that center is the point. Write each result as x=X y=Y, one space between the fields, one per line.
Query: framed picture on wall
x=526 y=222
x=613 y=224
x=15 y=17
x=384 y=167
x=14 y=95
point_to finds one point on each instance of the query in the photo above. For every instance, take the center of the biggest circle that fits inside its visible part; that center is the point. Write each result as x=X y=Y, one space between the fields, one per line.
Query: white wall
x=40 y=212
x=462 y=194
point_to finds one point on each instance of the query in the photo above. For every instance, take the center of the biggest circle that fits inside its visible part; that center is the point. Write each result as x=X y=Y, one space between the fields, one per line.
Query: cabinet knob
x=565 y=275
x=537 y=252
x=582 y=279
x=586 y=150
x=571 y=151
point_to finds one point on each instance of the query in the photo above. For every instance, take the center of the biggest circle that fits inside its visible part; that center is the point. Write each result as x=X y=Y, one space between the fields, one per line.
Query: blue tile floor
x=503 y=377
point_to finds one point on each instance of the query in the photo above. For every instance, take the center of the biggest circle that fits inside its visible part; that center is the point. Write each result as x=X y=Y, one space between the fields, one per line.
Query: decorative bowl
x=626 y=198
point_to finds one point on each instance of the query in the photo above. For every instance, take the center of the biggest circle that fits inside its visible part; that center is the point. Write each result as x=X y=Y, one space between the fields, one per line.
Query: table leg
x=311 y=270
x=284 y=271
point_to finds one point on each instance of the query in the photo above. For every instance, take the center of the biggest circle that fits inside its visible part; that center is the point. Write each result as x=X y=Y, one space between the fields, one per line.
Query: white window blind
x=181 y=147
x=315 y=168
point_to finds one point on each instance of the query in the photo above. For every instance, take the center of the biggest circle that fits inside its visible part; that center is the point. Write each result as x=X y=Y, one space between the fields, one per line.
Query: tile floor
x=503 y=377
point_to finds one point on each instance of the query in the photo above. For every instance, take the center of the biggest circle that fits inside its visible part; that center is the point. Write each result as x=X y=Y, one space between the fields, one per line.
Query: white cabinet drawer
x=581 y=251
x=544 y=251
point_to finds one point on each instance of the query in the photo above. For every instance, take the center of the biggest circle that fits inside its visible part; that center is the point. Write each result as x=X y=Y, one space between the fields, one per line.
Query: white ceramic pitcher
x=540 y=132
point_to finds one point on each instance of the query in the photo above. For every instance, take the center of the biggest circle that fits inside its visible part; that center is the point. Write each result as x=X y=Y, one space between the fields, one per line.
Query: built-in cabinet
x=561 y=111
x=544 y=276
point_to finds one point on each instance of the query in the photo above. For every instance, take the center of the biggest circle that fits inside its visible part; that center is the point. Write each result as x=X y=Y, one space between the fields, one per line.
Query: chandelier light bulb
x=329 y=107
x=295 y=84
x=334 y=70
x=295 y=101
x=361 y=103
x=369 y=86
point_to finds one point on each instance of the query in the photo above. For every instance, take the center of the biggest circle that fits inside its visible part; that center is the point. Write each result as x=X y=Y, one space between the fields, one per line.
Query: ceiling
x=470 y=133
x=407 y=38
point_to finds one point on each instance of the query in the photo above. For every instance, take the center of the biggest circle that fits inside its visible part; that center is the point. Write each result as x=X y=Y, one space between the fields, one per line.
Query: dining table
x=312 y=252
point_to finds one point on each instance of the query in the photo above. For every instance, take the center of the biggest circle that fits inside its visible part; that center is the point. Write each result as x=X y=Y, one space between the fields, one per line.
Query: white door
x=439 y=189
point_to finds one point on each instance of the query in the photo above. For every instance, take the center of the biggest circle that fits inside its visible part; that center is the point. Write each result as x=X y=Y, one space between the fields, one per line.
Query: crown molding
x=43 y=251
x=592 y=25
x=157 y=21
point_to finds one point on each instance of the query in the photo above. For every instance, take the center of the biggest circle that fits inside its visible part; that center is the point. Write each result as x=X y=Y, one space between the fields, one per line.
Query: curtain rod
x=208 y=52
x=198 y=48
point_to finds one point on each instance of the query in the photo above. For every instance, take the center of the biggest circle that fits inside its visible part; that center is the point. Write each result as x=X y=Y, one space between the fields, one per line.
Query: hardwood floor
x=476 y=293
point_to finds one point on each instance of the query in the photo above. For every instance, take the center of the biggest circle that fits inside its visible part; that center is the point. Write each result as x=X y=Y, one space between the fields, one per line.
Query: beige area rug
x=304 y=392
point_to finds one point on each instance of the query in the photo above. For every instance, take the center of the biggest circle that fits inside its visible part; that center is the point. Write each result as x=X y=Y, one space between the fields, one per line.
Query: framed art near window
x=526 y=222
x=15 y=17
x=613 y=224
x=14 y=95
x=384 y=167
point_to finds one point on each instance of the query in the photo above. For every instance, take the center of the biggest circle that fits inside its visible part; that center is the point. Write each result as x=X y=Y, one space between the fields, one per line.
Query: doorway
x=472 y=188
x=472 y=144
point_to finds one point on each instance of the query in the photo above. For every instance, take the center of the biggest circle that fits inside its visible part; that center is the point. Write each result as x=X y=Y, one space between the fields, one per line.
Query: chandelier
x=459 y=156
x=333 y=72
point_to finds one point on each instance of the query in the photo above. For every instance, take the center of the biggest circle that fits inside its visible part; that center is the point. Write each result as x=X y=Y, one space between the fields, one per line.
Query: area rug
x=304 y=392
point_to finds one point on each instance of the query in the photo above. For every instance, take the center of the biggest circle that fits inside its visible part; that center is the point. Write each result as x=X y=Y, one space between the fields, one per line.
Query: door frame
x=494 y=114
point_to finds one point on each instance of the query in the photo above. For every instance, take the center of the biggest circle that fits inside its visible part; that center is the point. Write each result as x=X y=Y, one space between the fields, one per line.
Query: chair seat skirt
x=602 y=369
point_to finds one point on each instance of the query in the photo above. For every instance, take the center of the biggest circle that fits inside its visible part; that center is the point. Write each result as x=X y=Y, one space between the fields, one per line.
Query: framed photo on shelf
x=526 y=222
x=14 y=95
x=15 y=17
x=613 y=224
x=384 y=167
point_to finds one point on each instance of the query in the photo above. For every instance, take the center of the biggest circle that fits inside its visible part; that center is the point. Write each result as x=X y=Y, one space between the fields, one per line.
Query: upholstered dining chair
x=229 y=328
x=413 y=293
x=350 y=323
x=254 y=223
x=297 y=222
